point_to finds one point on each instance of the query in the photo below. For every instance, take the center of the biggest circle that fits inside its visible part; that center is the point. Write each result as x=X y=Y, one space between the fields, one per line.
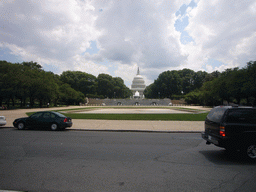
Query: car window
x=216 y=114
x=253 y=117
x=36 y=115
x=52 y=115
x=47 y=115
x=241 y=116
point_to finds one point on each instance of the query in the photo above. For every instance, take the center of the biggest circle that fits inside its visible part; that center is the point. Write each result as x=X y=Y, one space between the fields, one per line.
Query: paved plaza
x=133 y=111
x=118 y=125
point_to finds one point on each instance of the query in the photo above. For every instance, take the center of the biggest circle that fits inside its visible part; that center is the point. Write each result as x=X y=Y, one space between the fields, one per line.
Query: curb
x=112 y=130
x=139 y=131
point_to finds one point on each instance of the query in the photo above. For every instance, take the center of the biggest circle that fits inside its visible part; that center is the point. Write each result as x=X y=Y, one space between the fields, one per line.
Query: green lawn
x=146 y=117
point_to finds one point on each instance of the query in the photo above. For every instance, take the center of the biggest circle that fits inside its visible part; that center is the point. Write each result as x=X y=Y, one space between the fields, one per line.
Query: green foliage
x=30 y=84
x=171 y=83
x=29 y=81
x=112 y=87
x=233 y=85
x=194 y=97
x=167 y=84
x=80 y=81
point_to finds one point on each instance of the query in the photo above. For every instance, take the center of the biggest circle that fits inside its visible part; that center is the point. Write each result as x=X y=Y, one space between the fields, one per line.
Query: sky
x=116 y=37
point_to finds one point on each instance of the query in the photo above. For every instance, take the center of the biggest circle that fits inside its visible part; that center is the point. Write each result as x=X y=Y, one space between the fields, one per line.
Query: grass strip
x=145 y=117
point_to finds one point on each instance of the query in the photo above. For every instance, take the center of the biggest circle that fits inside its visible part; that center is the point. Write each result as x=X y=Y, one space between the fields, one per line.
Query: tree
x=80 y=81
x=111 y=87
x=8 y=82
x=167 y=84
x=46 y=88
x=70 y=96
x=249 y=86
x=199 y=79
x=187 y=81
x=105 y=85
x=121 y=90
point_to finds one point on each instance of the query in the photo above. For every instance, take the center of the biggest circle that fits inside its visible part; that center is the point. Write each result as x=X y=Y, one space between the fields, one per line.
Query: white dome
x=138 y=80
x=138 y=83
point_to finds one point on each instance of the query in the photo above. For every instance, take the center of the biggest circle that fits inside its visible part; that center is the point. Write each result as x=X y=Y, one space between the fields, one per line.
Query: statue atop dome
x=138 y=85
x=138 y=71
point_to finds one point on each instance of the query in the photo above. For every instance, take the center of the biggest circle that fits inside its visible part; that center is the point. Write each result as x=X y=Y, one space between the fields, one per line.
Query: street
x=37 y=160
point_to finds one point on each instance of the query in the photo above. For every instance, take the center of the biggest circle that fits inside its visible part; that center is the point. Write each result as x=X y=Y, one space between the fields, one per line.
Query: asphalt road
x=36 y=160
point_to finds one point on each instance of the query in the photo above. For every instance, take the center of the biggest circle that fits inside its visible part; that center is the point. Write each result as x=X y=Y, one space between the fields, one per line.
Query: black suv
x=233 y=128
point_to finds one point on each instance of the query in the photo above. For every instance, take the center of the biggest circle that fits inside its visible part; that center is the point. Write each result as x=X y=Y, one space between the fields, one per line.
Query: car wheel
x=21 y=126
x=54 y=127
x=250 y=151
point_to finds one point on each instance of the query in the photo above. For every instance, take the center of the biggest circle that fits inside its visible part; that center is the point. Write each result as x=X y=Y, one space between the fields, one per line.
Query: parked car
x=233 y=128
x=45 y=119
x=2 y=121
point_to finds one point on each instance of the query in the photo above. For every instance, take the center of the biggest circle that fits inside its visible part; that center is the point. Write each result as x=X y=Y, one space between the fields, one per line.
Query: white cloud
x=50 y=29
x=139 y=31
x=128 y=34
x=221 y=28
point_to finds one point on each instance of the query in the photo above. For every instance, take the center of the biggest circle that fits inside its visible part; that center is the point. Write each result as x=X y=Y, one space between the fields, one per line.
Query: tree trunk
x=31 y=102
x=41 y=103
x=13 y=102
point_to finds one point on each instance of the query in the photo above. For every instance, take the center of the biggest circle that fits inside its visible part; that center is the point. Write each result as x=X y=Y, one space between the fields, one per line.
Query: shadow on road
x=37 y=129
x=222 y=157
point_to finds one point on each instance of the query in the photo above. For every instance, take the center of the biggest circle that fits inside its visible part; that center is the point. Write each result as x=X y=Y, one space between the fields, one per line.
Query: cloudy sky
x=117 y=36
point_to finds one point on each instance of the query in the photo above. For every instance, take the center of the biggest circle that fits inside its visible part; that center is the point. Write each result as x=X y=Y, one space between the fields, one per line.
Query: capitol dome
x=138 y=85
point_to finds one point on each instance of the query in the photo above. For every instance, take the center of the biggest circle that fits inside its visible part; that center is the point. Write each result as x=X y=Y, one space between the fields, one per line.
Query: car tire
x=54 y=127
x=21 y=126
x=249 y=151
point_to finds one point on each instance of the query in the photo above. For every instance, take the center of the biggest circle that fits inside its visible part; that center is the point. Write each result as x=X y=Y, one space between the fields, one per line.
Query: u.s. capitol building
x=138 y=86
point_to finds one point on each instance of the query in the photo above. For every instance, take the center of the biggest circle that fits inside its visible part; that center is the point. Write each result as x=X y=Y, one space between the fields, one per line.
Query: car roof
x=46 y=112
x=234 y=107
x=54 y=112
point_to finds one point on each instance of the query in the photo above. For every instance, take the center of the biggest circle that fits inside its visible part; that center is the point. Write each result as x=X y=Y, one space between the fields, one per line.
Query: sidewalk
x=114 y=125
x=147 y=126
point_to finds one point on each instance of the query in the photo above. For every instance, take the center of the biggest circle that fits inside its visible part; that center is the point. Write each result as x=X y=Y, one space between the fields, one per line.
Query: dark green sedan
x=44 y=120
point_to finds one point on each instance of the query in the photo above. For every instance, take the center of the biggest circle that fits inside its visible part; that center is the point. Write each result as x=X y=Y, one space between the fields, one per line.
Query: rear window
x=59 y=114
x=216 y=114
x=242 y=116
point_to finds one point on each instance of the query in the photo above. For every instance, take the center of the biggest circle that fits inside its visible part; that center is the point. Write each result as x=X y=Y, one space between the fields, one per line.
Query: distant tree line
x=231 y=86
x=202 y=88
x=171 y=83
x=28 y=83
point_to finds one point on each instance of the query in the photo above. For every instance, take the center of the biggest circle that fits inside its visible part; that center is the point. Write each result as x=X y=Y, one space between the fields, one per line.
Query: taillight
x=65 y=120
x=222 y=131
